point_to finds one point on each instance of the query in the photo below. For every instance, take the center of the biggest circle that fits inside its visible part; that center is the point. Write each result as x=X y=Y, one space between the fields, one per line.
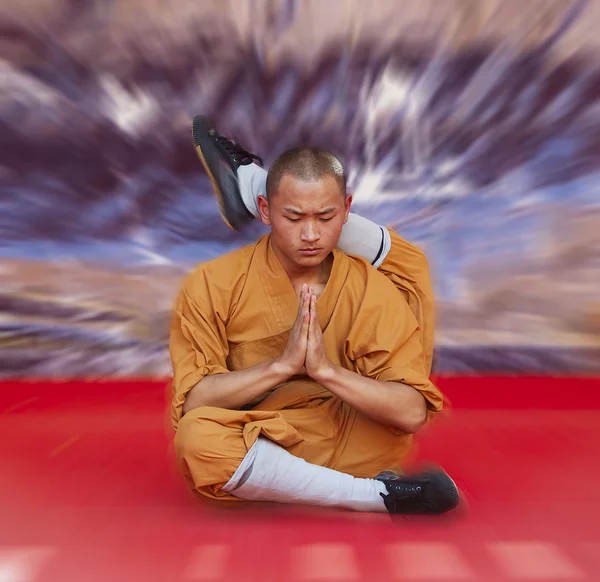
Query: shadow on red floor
x=88 y=492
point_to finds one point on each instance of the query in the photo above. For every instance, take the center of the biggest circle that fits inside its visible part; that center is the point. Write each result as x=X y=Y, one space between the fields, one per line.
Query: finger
x=313 y=311
x=306 y=312
x=304 y=329
x=304 y=303
x=301 y=297
x=317 y=325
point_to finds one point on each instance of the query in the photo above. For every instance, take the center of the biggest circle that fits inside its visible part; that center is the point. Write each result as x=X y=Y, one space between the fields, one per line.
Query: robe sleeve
x=384 y=343
x=197 y=343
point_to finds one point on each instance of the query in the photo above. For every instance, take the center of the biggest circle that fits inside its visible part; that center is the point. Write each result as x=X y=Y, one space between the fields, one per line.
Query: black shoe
x=429 y=492
x=221 y=158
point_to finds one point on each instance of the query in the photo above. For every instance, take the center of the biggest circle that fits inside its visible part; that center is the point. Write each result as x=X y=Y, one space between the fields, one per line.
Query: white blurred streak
x=534 y=561
x=208 y=563
x=23 y=564
x=325 y=561
x=130 y=111
x=413 y=561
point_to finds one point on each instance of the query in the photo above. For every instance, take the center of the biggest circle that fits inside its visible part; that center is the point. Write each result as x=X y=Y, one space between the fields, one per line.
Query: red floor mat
x=88 y=493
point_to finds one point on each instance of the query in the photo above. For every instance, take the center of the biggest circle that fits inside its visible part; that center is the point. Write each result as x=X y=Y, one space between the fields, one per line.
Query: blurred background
x=471 y=127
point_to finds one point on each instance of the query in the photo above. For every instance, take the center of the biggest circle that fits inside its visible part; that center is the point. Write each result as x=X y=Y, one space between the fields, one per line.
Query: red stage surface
x=88 y=492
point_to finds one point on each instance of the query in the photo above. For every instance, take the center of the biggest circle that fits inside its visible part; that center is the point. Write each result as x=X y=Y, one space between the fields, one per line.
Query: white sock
x=360 y=236
x=253 y=183
x=270 y=473
x=364 y=238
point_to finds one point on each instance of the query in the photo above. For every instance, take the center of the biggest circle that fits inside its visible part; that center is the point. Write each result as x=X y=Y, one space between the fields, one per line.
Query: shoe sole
x=213 y=180
x=462 y=503
x=444 y=479
x=458 y=494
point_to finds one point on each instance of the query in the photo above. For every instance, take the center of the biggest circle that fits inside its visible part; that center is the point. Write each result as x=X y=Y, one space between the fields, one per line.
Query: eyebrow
x=299 y=213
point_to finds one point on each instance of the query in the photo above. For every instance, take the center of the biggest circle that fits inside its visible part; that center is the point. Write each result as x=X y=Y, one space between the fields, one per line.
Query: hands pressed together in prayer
x=303 y=354
x=390 y=403
x=305 y=350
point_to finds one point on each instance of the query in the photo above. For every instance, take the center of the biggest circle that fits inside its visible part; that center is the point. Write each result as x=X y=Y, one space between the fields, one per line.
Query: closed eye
x=298 y=219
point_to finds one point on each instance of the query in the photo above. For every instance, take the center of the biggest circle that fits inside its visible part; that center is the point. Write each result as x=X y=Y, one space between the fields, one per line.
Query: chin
x=310 y=260
x=313 y=260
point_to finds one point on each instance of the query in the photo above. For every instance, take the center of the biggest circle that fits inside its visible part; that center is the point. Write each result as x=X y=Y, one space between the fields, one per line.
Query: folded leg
x=307 y=456
x=245 y=455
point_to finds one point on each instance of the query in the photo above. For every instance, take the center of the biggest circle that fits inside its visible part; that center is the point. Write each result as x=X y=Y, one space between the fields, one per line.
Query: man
x=299 y=370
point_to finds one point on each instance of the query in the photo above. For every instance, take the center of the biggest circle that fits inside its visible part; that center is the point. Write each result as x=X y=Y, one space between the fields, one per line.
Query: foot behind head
x=221 y=158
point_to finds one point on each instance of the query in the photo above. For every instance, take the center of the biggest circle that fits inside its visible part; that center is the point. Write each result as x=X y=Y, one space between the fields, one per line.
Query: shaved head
x=306 y=207
x=307 y=164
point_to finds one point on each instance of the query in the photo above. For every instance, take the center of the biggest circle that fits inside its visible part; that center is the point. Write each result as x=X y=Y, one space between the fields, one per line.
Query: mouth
x=310 y=251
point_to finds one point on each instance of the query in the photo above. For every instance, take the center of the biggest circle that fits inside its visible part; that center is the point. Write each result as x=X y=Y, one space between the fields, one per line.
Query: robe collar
x=281 y=294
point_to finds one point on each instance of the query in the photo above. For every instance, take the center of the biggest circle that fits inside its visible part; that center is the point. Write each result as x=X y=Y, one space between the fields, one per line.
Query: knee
x=208 y=449
x=191 y=440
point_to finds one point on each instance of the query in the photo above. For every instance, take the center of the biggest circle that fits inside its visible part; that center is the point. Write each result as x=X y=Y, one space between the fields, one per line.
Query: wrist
x=280 y=370
x=325 y=374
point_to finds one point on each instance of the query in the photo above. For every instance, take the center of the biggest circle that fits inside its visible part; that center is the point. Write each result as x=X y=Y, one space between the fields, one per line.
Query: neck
x=317 y=275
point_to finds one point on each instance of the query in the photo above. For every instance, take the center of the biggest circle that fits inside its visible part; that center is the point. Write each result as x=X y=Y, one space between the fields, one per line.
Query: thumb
x=306 y=323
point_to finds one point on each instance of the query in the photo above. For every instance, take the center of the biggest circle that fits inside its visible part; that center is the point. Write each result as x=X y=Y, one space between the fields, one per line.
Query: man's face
x=306 y=219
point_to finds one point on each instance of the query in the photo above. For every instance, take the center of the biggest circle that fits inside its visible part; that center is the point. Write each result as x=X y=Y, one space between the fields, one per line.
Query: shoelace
x=237 y=152
x=410 y=492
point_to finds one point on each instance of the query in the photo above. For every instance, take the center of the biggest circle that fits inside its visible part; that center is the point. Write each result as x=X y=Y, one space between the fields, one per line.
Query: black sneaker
x=429 y=492
x=221 y=158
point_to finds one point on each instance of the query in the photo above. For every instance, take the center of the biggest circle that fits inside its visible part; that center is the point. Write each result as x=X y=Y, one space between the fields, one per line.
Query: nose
x=310 y=233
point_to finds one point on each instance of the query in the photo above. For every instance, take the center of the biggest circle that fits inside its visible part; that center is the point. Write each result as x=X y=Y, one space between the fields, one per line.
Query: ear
x=347 y=205
x=263 y=209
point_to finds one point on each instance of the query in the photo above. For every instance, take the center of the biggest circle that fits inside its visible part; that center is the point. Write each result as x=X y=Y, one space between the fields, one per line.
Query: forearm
x=391 y=403
x=234 y=389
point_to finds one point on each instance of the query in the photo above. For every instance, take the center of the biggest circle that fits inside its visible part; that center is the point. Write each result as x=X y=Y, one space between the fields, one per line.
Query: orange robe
x=237 y=311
